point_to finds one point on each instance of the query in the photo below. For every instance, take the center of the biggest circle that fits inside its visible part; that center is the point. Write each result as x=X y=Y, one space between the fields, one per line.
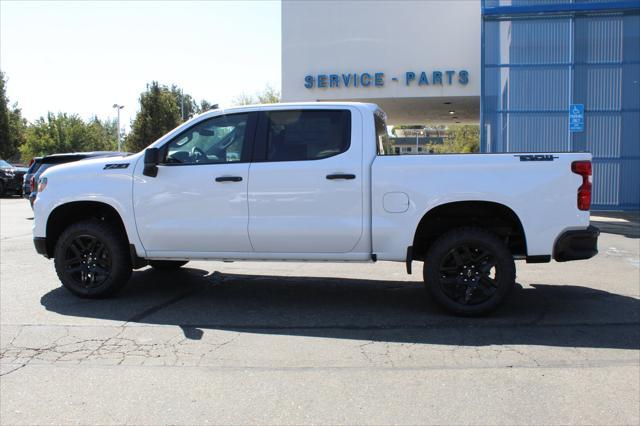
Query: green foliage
x=462 y=138
x=186 y=104
x=12 y=125
x=268 y=96
x=243 y=99
x=204 y=106
x=159 y=113
x=162 y=108
x=68 y=133
x=458 y=138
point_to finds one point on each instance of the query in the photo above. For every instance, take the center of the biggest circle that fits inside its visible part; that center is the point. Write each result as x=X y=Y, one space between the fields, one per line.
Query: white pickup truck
x=311 y=182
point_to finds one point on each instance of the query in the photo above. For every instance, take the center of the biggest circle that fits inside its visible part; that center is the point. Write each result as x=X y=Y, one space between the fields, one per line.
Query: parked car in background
x=11 y=178
x=34 y=164
x=56 y=159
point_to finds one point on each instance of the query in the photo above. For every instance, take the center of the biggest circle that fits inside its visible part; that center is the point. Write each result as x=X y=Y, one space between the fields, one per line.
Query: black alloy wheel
x=92 y=258
x=469 y=271
x=468 y=274
x=87 y=261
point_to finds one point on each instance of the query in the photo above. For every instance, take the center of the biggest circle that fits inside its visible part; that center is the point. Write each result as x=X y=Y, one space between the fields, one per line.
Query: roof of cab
x=289 y=105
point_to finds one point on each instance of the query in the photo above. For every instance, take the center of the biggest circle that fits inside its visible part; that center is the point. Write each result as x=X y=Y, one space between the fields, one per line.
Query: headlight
x=42 y=184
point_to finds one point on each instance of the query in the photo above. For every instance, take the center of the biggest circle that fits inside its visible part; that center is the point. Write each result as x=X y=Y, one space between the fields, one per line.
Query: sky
x=83 y=56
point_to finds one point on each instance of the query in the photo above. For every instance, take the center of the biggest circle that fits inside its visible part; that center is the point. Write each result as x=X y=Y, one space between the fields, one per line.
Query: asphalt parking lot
x=300 y=343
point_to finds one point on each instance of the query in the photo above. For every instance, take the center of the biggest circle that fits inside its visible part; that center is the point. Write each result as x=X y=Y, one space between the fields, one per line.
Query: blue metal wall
x=539 y=57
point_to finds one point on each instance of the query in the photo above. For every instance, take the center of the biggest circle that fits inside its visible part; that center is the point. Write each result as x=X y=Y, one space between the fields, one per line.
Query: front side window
x=216 y=140
x=297 y=135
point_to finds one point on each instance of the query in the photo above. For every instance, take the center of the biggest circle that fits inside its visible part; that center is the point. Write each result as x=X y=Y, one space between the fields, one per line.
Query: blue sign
x=576 y=117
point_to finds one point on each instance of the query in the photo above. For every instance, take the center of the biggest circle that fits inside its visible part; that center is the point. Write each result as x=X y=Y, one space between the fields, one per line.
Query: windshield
x=5 y=165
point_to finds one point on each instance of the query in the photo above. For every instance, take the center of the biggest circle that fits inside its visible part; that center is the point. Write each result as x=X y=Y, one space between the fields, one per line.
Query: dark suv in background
x=10 y=178
x=57 y=159
x=27 y=182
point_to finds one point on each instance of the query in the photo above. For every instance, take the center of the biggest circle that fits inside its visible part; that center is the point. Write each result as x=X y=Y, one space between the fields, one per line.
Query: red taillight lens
x=583 y=168
x=32 y=183
x=31 y=162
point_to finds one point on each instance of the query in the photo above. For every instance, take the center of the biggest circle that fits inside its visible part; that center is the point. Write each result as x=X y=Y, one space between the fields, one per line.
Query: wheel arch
x=71 y=212
x=490 y=215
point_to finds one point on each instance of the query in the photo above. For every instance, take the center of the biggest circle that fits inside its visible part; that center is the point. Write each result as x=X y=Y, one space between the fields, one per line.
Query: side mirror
x=151 y=162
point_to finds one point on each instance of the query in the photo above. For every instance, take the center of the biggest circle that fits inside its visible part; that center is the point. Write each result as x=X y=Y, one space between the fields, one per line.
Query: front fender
x=88 y=183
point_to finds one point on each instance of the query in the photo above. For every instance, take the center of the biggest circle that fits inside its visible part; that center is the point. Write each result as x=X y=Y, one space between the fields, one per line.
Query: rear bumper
x=41 y=246
x=577 y=245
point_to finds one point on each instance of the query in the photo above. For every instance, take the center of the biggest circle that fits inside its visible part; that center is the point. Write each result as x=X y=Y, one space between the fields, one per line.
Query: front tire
x=92 y=259
x=167 y=264
x=469 y=271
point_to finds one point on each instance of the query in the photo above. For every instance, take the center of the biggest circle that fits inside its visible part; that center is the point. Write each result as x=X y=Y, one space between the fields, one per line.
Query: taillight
x=31 y=162
x=583 y=168
x=42 y=184
x=32 y=183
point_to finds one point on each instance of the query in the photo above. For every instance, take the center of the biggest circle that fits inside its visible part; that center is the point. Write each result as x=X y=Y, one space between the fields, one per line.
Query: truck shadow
x=392 y=311
x=620 y=223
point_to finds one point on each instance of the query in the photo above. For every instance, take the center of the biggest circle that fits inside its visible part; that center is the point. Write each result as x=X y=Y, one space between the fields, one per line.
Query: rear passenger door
x=305 y=182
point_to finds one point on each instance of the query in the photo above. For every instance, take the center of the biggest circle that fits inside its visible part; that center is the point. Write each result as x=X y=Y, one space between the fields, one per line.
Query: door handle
x=341 y=176
x=228 y=179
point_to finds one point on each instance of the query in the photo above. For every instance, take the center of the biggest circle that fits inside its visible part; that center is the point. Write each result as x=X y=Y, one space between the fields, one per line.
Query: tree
x=159 y=113
x=460 y=138
x=68 y=133
x=205 y=106
x=187 y=105
x=268 y=95
x=162 y=108
x=243 y=99
x=12 y=125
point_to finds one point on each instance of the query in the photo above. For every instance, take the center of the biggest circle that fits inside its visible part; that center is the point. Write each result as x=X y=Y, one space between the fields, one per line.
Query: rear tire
x=1 y=189
x=92 y=259
x=167 y=264
x=469 y=271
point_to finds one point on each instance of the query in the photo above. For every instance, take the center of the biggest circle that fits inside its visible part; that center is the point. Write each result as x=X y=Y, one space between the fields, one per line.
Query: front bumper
x=577 y=245
x=41 y=246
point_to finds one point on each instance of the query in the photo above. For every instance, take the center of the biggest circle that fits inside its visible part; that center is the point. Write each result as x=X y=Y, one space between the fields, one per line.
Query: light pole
x=118 y=108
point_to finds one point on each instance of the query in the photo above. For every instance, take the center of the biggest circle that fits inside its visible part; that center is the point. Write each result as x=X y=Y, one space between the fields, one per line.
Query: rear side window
x=382 y=138
x=298 y=135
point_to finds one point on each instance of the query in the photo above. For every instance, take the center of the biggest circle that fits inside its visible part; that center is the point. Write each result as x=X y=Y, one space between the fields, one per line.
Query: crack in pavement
x=168 y=346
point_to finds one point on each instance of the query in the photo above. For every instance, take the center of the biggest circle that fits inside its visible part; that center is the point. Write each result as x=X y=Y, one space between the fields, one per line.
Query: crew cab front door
x=197 y=203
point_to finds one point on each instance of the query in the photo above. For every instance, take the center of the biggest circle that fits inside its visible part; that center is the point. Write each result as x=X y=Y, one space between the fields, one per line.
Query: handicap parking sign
x=576 y=117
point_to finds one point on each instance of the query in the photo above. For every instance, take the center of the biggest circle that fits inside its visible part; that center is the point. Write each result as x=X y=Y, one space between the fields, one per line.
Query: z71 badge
x=116 y=166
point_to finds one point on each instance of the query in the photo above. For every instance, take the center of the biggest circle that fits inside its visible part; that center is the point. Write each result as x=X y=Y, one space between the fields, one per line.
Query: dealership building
x=537 y=75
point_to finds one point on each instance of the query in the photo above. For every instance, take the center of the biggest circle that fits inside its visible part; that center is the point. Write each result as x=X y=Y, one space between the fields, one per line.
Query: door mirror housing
x=151 y=162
